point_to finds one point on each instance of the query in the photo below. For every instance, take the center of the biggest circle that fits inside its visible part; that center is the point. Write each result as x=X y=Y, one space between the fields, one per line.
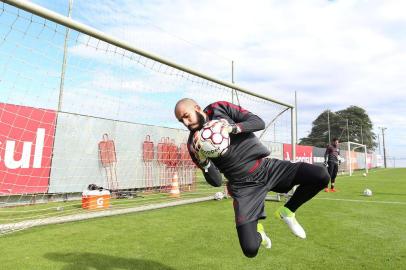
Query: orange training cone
x=174 y=192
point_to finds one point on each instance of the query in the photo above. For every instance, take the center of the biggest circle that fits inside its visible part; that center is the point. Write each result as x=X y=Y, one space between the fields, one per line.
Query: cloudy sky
x=332 y=53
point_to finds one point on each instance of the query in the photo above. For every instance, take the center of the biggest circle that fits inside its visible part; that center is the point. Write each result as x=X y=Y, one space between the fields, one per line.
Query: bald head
x=185 y=102
x=190 y=114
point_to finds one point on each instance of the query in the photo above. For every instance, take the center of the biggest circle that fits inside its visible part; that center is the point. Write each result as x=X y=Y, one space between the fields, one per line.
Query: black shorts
x=249 y=192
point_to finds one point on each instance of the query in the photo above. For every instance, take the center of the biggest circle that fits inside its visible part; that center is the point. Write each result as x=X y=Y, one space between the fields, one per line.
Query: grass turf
x=345 y=230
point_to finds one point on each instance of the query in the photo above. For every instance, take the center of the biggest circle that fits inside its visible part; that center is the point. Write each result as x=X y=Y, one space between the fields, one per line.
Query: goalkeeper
x=251 y=175
x=332 y=160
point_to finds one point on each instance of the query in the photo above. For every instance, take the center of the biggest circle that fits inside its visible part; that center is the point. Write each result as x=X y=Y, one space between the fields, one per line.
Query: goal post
x=356 y=157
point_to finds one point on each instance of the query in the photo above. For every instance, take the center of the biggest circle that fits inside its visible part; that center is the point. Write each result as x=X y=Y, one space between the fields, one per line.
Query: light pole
x=383 y=142
x=328 y=124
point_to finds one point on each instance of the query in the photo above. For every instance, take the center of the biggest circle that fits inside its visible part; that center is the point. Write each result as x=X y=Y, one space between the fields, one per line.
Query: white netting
x=355 y=158
x=114 y=127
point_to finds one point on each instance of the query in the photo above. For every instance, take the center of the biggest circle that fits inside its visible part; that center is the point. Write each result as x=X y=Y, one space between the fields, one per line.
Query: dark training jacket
x=245 y=150
x=332 y=153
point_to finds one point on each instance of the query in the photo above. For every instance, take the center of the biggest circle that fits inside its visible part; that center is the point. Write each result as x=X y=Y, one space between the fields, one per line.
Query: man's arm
x=241 y=119
x=326 y=154
x=212 y=175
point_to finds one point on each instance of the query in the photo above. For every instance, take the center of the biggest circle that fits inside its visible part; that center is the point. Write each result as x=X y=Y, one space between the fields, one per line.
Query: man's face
x=190 y=116
x=336 y=143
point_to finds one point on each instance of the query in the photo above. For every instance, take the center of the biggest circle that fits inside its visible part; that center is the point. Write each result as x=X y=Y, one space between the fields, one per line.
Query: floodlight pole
x=349 y=155
x=296 y=115
x=328 y=124
x=384 y=148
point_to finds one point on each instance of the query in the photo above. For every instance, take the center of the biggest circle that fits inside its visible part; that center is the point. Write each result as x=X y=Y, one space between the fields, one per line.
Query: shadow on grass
x=85 y=261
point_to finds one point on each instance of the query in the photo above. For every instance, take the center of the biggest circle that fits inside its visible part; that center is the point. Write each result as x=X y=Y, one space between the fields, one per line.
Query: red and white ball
x=214 y=139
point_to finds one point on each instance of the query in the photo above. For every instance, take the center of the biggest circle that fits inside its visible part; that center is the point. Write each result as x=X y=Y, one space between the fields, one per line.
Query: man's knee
x=250 y=240
x=250 y=250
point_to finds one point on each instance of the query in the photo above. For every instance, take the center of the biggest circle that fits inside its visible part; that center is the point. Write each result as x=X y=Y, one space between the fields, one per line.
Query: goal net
x=355 y=158
x=87 y=125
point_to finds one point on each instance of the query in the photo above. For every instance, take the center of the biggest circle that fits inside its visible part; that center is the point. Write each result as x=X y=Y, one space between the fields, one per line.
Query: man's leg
x=311 y=179
x=333 y=175
x=330 y=170
x=251 y=235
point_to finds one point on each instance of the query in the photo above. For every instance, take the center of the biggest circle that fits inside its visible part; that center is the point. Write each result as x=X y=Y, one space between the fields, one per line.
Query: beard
x=200 y=122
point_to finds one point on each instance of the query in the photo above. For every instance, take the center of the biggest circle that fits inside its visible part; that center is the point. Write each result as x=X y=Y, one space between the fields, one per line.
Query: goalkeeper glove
x=325 y=163
x=231 y=128
x=202 y=160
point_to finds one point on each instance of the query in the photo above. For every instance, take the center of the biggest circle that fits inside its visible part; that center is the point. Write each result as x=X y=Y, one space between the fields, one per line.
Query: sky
x=334 y=54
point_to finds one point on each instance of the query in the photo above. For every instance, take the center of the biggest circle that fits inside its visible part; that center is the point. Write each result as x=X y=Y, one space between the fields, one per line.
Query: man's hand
x=231 y=128
x=203 y=161
x=340 y=160
x=325 y=163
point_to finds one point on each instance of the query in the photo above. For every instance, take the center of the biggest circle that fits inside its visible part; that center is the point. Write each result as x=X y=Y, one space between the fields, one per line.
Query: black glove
x=325 y=163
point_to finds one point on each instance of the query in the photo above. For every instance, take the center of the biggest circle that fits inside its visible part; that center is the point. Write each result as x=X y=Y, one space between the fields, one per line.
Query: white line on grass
x=356 y=173
x=348 y=200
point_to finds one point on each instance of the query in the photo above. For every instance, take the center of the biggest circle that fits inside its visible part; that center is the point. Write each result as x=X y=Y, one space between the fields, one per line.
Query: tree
x=359 y=128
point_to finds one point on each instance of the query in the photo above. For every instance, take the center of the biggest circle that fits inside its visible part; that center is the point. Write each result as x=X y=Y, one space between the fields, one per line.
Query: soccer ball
x=367 y=192
x=214 y=139
x=219 y=196
x=364 y=174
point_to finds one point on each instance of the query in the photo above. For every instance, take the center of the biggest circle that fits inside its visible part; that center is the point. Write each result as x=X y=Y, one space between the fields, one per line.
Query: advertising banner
x=26 y=140
x=303 y=153
x=318 y=155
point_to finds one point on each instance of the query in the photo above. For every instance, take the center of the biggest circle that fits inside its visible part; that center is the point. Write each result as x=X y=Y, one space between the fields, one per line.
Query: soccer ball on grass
x=367 y=192
x=219 y=196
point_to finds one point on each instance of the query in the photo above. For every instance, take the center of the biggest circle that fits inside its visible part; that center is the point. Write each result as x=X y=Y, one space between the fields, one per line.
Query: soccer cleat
x=266 y=241
x=289 y=218
x=326 y=190
x=333 y=190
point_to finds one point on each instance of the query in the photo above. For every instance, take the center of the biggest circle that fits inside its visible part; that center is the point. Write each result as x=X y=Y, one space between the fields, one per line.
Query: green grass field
x=345 y=230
